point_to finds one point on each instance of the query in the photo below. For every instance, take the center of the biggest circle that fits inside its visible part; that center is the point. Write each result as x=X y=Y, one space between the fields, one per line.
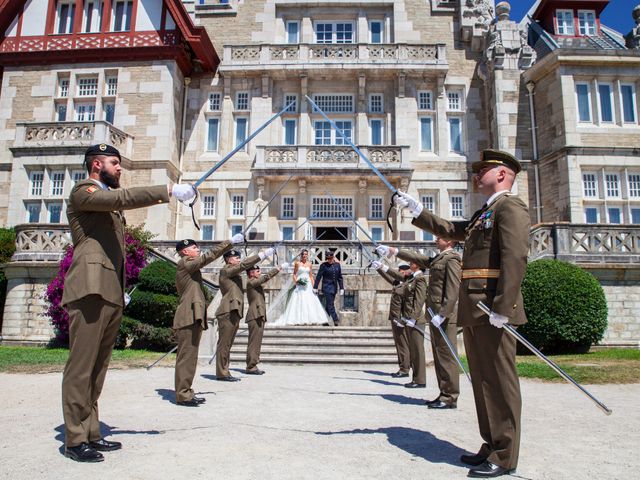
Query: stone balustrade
x=310 y=54
x=331 y=156
x=75 y=135
x=40 y=242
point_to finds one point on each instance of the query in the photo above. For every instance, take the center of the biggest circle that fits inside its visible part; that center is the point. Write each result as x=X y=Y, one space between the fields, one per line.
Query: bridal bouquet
x=302 y=282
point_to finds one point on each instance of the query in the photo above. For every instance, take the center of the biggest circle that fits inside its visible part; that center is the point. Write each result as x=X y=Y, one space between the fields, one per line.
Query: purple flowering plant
x=136 y=245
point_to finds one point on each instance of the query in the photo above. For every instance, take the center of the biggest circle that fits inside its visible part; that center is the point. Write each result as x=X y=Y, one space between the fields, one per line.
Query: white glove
x=315 y=290
x=437 y=320
x=376 y=265
x=127 y=299
x=266 y=253
x=285 y=265
x=410 y=322
x=385 y=251
x=403 y=200
x=183 y=192
x=237 y=238
x=397 y=323
x=498 y=320
x=342 y=291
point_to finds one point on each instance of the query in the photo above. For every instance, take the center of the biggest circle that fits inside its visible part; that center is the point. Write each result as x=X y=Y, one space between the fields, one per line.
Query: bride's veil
x=279 y=303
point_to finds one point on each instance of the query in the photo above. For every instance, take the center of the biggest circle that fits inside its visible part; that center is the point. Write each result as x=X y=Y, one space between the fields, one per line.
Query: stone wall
x=623 y=300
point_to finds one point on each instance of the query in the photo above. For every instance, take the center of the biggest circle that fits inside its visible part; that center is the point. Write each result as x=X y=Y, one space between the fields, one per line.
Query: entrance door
x=331 y=233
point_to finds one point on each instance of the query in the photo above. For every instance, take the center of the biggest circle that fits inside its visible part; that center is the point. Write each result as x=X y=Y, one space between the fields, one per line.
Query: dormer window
x=564 y=22
x=587 y=22
x=65 y=11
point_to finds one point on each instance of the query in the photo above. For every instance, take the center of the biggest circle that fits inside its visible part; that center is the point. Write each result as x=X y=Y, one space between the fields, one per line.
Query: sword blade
x=352 y=145
x=518 y=336
x=149 y=367
x=268 y=203
x=450 y=346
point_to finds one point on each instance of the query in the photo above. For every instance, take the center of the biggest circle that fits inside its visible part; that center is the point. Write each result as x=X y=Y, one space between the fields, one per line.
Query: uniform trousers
x=93 y=328
x=186 y=360
x=401 y=341
x=256 y=331
x=496 y=388
x=446 y=367
x=330 y=306
x=227 y=329
x=418 y=357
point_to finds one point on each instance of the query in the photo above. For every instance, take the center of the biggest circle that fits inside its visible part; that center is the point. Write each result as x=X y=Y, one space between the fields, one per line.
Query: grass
x=46 y=360
x=602 y=366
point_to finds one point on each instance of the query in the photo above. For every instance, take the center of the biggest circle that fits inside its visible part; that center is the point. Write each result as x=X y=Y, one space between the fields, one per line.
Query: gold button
x=515 y=306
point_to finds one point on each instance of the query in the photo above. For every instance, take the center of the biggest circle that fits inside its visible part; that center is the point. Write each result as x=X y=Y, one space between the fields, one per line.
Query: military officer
x=330 y=274
x=94 y=291
x=231 y=306
x=442 y=298
x=191 y=317
x=257 y=314
x=413 y=315
x=494 y=262
x=397 y=278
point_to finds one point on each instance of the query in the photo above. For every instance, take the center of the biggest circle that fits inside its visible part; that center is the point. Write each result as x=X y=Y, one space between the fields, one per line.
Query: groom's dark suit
x=331 y=276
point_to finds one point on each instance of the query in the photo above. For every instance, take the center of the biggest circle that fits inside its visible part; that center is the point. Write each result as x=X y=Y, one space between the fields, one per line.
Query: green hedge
x=156 y=309
x=565 y=305
x=138 y=335
x=7 y=249
x=158 y=277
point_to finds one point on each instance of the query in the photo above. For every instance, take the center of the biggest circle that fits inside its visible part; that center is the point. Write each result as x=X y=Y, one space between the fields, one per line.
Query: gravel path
x=317 y=422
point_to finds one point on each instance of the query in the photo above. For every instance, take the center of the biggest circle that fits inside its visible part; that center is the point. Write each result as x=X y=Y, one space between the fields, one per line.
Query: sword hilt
x=195 y=199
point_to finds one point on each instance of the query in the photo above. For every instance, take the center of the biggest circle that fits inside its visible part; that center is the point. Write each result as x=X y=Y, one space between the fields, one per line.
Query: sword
x=514 y=333
x=417 y=327
x=449 y=344
x=149 y=367
x=216 y=352
x=239 y=147
x=375 y=170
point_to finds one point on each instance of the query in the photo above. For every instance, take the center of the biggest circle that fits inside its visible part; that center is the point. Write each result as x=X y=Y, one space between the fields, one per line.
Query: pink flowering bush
x=136 y=244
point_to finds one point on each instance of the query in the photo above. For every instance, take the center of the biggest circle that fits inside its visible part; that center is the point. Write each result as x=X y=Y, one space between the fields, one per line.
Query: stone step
x=311 y=342
x=333 y=359
x=319 y=350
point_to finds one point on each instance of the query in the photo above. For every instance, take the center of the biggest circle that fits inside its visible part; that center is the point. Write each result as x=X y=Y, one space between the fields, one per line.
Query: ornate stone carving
x=333 y=52
x=302 y=187
x=384 y=155
x=282 y=154
x=362 y=186
x=475 y=18
x=481 y=11
x=53 y=132
x=331 y=154
x=245 y=53
x=284 y=52
x=633 y=37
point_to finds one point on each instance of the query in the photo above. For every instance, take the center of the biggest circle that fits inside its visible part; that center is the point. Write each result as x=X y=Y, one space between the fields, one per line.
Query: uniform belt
x=480 y=273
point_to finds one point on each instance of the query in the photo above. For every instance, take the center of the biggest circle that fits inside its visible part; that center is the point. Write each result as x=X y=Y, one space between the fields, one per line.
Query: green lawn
x=602 y=366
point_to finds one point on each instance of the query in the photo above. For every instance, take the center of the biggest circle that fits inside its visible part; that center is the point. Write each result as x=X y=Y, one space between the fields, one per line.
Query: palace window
x=583 y=94
x=334 y=103
x=111 y=86
x=235 y=228
x=590 y=185
x=564 y=22
x=88 y=87
x=237 y=205
x=587 y=22
x=591 y=215
x=109 y=111
x=376 y=103
x=455 y=134
x=376 y=30
x=54 y=212
x=242 y=125
x=61 y=112
x=377 y=234
x=207 y=231
x=429 y=203
x=425 y=100
x=214 y=102
x=288 y=207
x=614 y=215
x=376 y=208
x=63 y=87
x=605 y=96
x=454 y=101
x=65 y=11
x=426 y=134
x=78 y=175
x=208 y=205
x=213 y=128
x=121 y=20
x=287 y=233
x=289 y=133
x=457 y=206
x=35 y=183
x=33 y=211
x=377 y=131
x=334 y=32
x=57 y=183
x=612 y=183
x=92 y=16
x=291 y=98
x=325 y=135
x=634 y=185
x=293 y=31
x=628 y=101
x=242 y=100
x=85 y=112
x=325 y=208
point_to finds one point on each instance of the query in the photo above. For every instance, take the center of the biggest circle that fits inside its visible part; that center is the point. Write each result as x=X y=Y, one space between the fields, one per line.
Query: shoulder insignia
x=92 y=188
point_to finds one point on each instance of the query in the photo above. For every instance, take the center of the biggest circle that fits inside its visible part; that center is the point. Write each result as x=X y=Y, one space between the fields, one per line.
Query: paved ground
x=319 y=422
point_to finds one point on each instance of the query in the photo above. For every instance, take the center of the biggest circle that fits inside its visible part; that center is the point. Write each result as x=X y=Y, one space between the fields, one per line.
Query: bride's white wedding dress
x=303 y=306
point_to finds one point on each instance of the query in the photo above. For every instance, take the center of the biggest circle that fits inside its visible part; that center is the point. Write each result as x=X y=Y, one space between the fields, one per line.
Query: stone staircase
x=329 y=345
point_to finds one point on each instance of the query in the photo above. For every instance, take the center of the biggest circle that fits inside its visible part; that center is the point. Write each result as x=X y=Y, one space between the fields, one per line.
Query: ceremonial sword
x=450 y=345
x=149 y=367
x=514 y=333
x=375 y=170
x=238 y=147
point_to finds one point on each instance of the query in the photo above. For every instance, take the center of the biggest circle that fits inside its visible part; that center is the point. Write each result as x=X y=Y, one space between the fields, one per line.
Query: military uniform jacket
x=494 y=260
x=255 y=296
x=193 y=305
x=97 y=231
x=444 y=280
x=414 y=298
x=396 y=279
x=331 y=276
x=231 y=286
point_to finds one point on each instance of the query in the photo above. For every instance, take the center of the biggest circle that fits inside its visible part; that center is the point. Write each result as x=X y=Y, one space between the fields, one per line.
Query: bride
x=301 y=305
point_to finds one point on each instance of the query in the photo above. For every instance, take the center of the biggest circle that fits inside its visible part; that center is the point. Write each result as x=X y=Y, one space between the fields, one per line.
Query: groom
x=331 y=276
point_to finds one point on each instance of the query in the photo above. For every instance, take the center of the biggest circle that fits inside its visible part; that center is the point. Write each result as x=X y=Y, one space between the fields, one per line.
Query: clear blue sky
x=616 y=15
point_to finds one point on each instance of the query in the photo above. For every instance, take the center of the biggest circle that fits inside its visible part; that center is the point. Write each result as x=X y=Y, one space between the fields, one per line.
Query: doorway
x=331 y=233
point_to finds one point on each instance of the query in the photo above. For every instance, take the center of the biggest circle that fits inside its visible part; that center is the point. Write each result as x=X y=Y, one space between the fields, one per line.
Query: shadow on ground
x=107 y=431
x=402 y=399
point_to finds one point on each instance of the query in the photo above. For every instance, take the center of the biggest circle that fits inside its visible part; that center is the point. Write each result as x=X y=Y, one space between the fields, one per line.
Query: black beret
x=187 y=242
x=404 y=266
x=328 y=253
x=494 y=158
x=231 y=253
x=251 y=269
x=101 y=149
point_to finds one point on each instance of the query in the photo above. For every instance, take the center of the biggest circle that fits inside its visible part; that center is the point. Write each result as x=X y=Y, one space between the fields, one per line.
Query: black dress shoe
x=103 y=445
x=199 y=400
x=415 y=385
x=439 y=405
x=254 y=372
x=489 y=470
x=189 y=403
x=429 y=402
x=228 y=379
x=473 y=460
x=83 y=453
x=400 y=374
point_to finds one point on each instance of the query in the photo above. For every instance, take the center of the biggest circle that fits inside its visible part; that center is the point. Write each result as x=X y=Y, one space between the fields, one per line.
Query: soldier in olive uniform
x=444 y=283
x=494 y=262
x=257 y=314
x=400 y=338
x=413 y=315
x=94 y=291
x=231 y=306
x=191 y=315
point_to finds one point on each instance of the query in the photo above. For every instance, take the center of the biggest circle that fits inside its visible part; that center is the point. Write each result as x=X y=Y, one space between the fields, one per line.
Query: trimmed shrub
x=156 y=309
x=159 y=277
x=565 y=305
x=148 y=337
x=7 y=249
x=127 y=332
